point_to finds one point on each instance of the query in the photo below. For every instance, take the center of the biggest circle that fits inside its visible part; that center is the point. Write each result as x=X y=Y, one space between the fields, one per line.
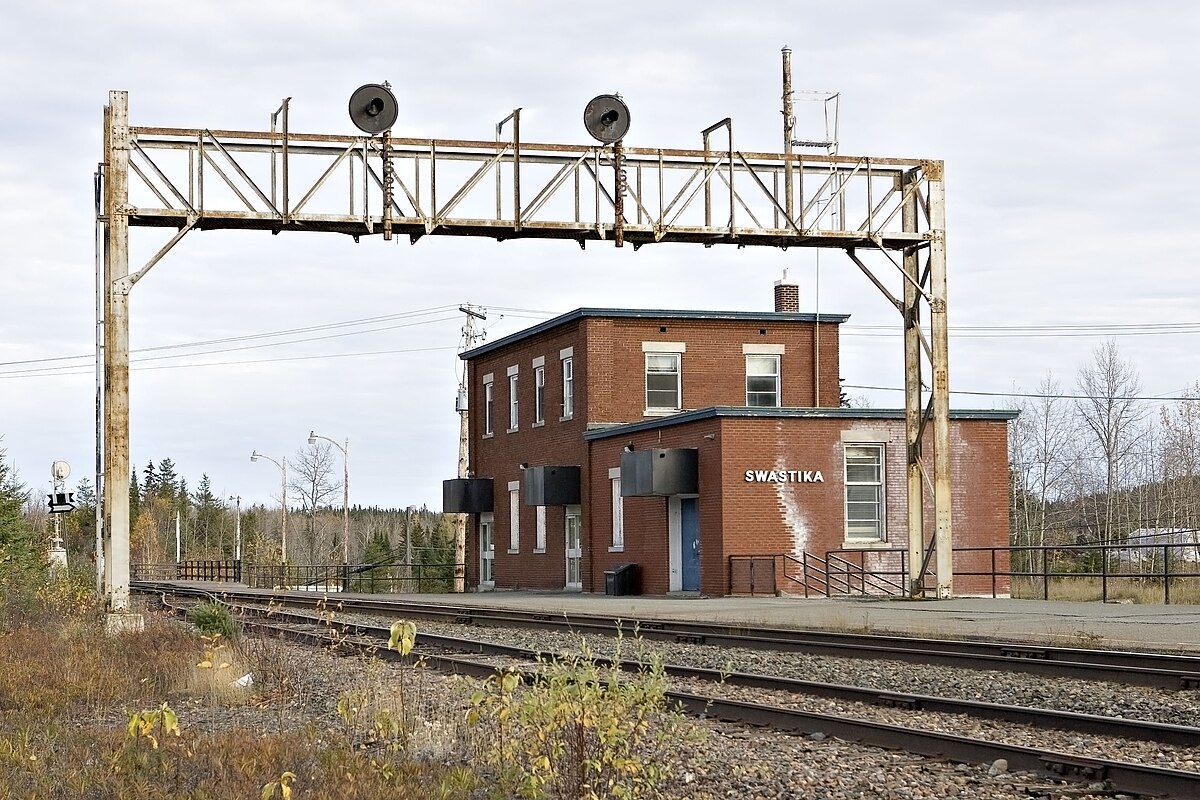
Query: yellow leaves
x=283 y=786
x=212 y=644
x=577 y=730
x=403 y=637
x=142 y=724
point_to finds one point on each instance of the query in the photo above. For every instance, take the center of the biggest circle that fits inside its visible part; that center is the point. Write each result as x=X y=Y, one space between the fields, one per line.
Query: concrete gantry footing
x=120 y=622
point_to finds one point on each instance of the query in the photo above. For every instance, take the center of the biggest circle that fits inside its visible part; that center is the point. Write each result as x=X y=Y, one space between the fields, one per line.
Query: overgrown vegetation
x=214 y=619
x=581 y=731
x=171 y=712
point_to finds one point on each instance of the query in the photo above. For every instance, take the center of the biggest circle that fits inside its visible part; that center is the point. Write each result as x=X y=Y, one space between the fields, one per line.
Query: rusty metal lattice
x=274 y=181
x=277 y=180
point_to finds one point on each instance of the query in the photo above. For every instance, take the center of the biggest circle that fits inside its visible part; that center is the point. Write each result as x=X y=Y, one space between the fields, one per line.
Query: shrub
x=215 y=618
x=581 y=731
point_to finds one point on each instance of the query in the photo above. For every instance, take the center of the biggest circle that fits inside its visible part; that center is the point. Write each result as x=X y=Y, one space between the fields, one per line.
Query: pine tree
x=167 y=487
x=18 y=551
x=135 y=496
x=86 y=494
x=150 y=482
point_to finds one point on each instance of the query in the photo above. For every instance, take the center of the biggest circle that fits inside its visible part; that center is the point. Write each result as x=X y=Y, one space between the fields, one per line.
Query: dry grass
x=1184 y=591
x=68 y=691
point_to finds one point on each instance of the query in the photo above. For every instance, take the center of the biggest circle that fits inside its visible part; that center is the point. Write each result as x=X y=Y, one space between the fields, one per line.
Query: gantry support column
x=913 y=410
x=116 y=361
x=941 y=379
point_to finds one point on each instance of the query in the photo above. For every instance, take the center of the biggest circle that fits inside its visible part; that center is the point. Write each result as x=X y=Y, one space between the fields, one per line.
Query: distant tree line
x=1100 y=465
x=163 y=509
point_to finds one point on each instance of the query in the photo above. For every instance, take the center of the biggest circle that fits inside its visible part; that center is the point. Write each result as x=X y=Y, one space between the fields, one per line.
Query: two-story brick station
x=699 y=446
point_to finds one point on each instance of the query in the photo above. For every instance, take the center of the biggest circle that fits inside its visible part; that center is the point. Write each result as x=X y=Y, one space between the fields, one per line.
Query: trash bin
x=621 y=580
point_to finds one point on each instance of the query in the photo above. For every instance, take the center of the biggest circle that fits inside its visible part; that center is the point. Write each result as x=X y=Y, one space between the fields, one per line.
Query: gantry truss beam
x=278 y=181
x=510 y=189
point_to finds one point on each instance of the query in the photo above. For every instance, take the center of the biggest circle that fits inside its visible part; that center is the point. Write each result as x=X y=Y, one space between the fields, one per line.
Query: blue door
x=689 y=527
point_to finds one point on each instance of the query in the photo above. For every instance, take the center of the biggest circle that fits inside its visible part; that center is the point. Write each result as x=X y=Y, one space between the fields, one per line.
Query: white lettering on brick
x=784 y=476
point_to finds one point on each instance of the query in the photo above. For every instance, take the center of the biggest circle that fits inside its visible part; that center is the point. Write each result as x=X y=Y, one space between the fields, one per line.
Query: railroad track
x=1162 y=670
x=1121 y=776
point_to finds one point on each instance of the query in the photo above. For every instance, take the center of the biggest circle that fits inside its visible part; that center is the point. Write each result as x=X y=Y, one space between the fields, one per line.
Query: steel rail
x=1140 y=730
x=1162 y=670
x=1121 y=776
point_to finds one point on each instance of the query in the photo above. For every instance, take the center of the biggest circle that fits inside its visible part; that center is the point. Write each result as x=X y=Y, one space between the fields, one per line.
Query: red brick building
x=709 y=449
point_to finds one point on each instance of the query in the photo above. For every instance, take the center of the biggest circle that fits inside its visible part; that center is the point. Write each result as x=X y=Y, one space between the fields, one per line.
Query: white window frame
x=514 y=405
x=776 y=391
x=489 y=408
x=514 y=517
x=674 y=350
x=568 y=377
x=618 y=512
x=539 y=540
x=854 y=531
x=487 y=522
x=573 y=513
x=539 y=395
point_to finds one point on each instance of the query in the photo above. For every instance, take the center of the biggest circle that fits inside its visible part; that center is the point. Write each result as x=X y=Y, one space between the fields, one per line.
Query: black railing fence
x=390 y=578
x=1163 y=572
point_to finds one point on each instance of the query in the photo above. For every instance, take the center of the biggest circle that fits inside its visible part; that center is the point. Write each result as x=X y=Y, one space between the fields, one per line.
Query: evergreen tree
x=168 y=481
x=150 y=482
x=86 y=494
x=135 y=496
x=18 y=550
x=378 y=551
x=211 y=519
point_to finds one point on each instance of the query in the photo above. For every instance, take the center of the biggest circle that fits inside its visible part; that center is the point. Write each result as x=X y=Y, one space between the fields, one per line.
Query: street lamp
x=237 y=547
x=255 y=456
x=312 y=439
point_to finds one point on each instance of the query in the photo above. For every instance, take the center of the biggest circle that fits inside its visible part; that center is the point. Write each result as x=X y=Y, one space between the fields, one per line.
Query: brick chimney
x=787 y=295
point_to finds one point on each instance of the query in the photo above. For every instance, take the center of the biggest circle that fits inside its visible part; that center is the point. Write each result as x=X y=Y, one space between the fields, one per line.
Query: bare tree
x=313 y=482
x=1110 y=413
x=1180 y=462
x=1042 y=445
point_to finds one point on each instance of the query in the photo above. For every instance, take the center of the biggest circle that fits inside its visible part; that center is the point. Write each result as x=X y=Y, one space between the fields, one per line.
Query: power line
x=267 y=335
x=89 y=371
x=1155 y=398
x=51 y=370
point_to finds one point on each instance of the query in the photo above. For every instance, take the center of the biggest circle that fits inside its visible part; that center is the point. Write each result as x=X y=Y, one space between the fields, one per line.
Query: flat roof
x=625 y=428
x=651 y=313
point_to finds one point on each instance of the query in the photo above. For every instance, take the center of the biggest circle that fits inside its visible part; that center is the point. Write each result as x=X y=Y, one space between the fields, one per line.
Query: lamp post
x=237 y=546
x=312 y=439
x=255 y=456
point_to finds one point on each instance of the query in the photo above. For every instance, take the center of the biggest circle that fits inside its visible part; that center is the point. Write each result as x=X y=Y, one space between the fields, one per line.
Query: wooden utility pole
x=469 y=338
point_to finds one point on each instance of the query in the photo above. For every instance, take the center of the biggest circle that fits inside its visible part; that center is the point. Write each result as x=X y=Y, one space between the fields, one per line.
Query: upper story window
x=864 y=493
x=663 y=381
x=568 y=382
x=539 y=395
x=489 y=407
x=514 y=416
x=762 y=380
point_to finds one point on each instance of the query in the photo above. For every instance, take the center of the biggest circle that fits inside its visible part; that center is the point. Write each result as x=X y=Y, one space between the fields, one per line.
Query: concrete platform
x=1110 y=625
x=1174 y=628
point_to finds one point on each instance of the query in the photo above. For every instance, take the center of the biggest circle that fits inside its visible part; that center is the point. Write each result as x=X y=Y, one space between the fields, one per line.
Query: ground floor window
x=514 y=517
x=864 y=493
x=618 y=511
x=574 y=545
x=539 y=539
x=487 y=550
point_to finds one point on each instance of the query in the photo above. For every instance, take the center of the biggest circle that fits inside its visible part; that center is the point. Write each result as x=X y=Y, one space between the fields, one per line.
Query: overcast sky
x=1069 y=132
